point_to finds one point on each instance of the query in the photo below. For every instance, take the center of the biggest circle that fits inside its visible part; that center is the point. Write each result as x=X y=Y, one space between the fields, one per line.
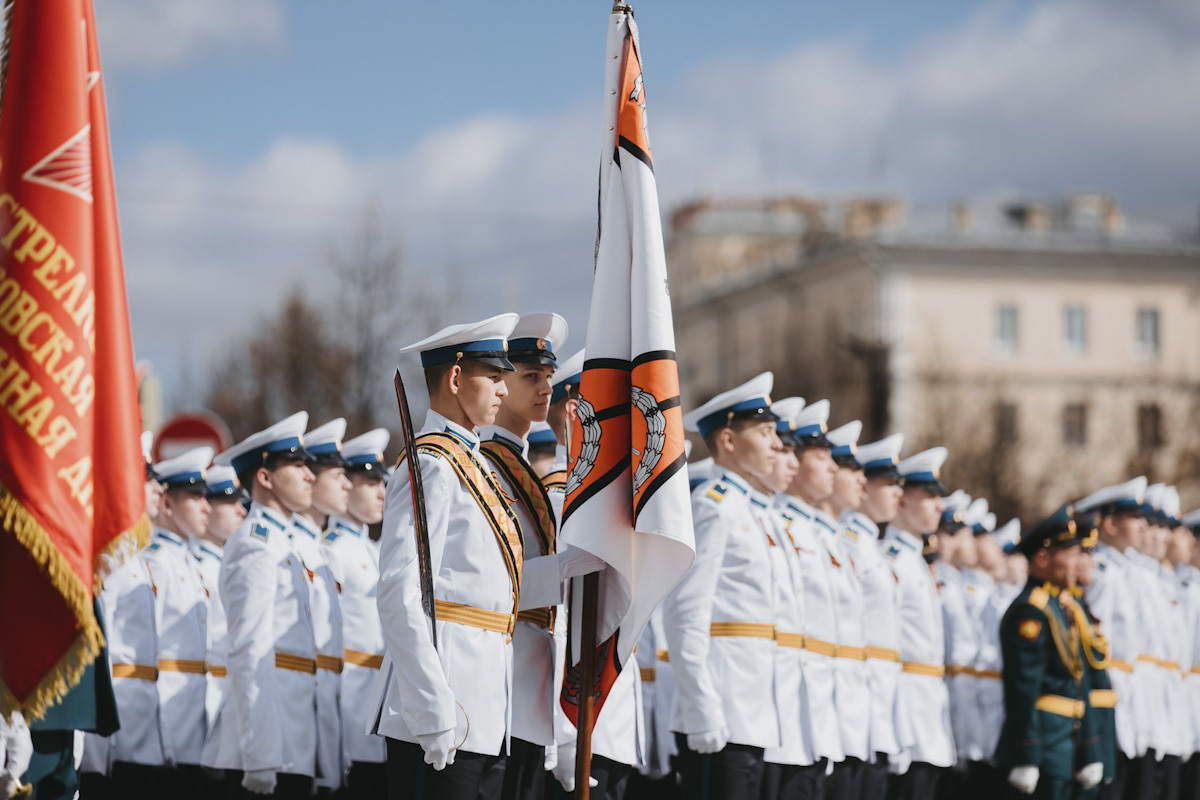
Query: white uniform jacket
x=1176 y=740
x=658 y=692
x=1189 y=597
x=981 y=677
x=355 y=565
x=1109 y=598
x=208 y=558
x=324 y=594
x=127 y=603
x=879 y=628
x=268 y=719
x=922 y=703
x=818 y=618
x=962 y=648
x=725 y=682
x=534 y=692
x=989 y=697
x=466 y=683
x=181 y=619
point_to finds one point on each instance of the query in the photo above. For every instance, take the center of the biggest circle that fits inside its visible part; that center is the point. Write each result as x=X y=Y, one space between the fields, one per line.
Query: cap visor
x=493 y=361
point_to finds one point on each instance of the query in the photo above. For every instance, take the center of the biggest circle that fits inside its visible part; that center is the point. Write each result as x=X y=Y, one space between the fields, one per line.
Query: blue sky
x=249 y=135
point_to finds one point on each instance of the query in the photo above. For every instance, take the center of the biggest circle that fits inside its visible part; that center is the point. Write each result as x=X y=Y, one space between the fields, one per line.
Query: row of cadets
x=862 y=531
x=531 y=350
x=1187 y=559
x=922 y=702
x=330 y=495
x=811 y=481
x=354 y=560
x=619 y=737
x=720 y=622
x=1101 y=698
x=265 y=735
x=446 y=710
x=1050 y=741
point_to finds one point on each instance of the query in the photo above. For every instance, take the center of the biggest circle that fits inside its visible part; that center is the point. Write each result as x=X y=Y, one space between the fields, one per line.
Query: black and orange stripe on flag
x=71 y=470
x=627 y=497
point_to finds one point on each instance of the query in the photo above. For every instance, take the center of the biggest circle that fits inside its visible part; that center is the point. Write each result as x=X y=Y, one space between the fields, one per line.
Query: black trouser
x=367 y=780
x=846 y=780
x=524 y=771
x=288 y=786
x=640 y=787
x=735 y=772
x=791 y=782
x=874 y=781
x=1168 y=774
x=1139 y=777
x=410 y=778
x=611 y=778
x=1189 y=779
x=985 y=782
x=137 y=780
x=1048 y=788
x=920 y=782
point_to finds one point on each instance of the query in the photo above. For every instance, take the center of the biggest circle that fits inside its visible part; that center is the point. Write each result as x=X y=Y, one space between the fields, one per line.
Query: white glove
x=1024 y=779
x=9 y=784
x=899 y=763
x=259 y=781
x=709 y=742
x=1090 y=776
x=551 y=757
x=575 y=562
x=564 y=768
x=438 y=747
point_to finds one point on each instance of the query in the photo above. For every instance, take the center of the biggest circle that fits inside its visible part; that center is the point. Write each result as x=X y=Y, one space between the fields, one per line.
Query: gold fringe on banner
x=66 y=673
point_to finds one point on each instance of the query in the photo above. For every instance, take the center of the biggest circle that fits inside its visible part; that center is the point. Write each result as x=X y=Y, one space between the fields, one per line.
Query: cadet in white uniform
x=445 y=710
x=817 y=590
x=1122 y=529
x=226 y=512
x=266 y=729
x=181 y=618
x=355 y=564
x=922 y=704
x=861 y=533
x=721 y=620
x=1189 y=587
x=331 y=495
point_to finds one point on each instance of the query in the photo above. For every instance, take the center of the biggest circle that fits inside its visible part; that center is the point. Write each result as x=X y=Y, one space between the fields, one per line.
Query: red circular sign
x=188 y=431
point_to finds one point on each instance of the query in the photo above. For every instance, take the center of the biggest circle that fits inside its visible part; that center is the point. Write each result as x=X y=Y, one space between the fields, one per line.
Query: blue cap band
x=256 y=457
x=562 y=387
x=182 y=479
x=719 y=419
x=224 y=488
x=531 y=346
x=484 y=348
x=542 y=437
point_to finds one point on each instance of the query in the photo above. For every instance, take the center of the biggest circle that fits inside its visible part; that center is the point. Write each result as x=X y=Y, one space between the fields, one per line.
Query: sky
x=249 y=136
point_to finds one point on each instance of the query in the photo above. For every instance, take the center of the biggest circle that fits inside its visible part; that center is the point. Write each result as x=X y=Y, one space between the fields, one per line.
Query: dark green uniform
x=1048 y=722
x=1102 y=700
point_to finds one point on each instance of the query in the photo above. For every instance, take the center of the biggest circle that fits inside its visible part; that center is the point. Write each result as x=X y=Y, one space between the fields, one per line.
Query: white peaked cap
x=924 y=469
x=1008 y=534
x=568 y=374
x=989 y=522
x=185 y=469
x=547 y=328
x=846 y=435
x=1191 y=519
x=373 y=442
x=788 y=408
x=222 y=481
x=1153 y=495
x=814 y=414
x=286 y=430
x=976 y=512
x=886 y=449
x=753 y=394
x=490 y=334
x=1130 y=493
x=327 y=437
x=958 y=501
x=1170 y=502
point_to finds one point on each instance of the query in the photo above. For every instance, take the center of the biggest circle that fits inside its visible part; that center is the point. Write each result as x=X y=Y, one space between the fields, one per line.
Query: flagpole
x=587 y=683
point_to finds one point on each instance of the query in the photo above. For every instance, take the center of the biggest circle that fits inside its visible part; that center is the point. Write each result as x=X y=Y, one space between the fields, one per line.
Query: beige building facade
x=1051 y=356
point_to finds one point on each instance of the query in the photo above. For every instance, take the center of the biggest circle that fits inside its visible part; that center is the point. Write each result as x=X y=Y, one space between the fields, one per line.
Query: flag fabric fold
x=627 y=490
x=70 y=462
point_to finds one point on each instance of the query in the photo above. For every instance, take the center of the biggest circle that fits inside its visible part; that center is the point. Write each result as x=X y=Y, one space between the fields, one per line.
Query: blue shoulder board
x=154 y=548
x=330 y=537
x=260 y=532
x=716 y=492
x=892 y=551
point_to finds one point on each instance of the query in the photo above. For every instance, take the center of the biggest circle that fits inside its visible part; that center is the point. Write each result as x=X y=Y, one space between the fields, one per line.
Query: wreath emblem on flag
x=590 y=447
x=656 y=435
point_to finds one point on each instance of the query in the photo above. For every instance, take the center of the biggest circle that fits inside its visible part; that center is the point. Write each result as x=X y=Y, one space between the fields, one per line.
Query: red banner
x=70 y=462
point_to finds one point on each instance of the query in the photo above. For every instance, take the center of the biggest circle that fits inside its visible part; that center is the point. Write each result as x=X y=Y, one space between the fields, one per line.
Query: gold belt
x=1196 y=670
x=494 y=621
x=662 y=655
x=536 y=616
x=1061 y=706
x=883 y=653
x=928 y=670
x=217 y=672
x=1102 y=698
x=648 y=674
x=821 y=648
x=360 y=659
x=749 y=630
x=329 y=663
x=181 y=665
x=954 y=669
x=855 y=653
x=794 y=640
x=1171 y=665
x=1118 y=664
x=295 y=663
x=140 y=671
x=1146 y=658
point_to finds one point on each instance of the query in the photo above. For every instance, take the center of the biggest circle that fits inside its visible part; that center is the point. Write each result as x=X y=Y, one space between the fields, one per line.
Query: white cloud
x=153 y=33
x=500 y=210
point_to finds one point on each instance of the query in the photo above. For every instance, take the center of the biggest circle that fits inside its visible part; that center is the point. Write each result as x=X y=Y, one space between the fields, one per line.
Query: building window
x=1147 y=332
x=1075 y=424
x=1149 y=422
x=1075 y=330
x=1005 y=415
x=1006 y=328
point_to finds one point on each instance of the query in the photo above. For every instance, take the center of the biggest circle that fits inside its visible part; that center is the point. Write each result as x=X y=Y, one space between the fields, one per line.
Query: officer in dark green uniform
x=1101 y=697
x=1048 y=743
